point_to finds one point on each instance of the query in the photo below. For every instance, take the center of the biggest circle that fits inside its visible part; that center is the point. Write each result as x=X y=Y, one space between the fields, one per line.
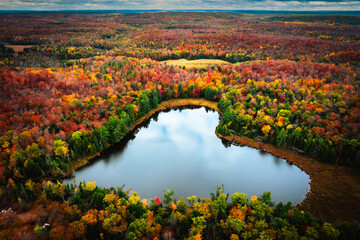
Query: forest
x=74 y=84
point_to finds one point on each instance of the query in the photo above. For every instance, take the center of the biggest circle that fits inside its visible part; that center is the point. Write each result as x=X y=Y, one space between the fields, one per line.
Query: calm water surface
x=179 y=150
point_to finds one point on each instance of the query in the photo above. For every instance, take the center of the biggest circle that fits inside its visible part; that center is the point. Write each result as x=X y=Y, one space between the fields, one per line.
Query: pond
x=178 y=149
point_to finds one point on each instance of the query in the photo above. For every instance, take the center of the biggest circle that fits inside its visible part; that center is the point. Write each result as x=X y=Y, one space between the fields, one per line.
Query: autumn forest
x=73 y=84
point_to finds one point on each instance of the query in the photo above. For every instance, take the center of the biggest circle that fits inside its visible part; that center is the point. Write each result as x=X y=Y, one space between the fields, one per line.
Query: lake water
x=179 y=150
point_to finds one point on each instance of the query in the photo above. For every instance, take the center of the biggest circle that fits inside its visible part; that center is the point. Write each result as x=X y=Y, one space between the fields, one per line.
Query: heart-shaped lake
x=179 y=150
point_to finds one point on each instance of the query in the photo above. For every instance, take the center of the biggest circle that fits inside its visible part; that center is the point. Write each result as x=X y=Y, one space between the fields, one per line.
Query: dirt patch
x=29 y=217
x=199 y=63
x=19 y=48
x=27 y=222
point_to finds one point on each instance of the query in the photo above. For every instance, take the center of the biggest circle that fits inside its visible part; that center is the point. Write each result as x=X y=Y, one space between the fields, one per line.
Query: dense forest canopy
x=82 y=81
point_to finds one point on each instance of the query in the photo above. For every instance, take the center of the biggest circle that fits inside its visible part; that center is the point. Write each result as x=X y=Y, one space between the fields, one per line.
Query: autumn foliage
x=87 y=78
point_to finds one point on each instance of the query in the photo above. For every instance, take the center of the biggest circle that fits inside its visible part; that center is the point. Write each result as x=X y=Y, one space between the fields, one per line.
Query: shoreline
x=334 y=190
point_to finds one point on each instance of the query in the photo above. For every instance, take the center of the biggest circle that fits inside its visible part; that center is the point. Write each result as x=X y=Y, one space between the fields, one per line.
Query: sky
x=291 y=5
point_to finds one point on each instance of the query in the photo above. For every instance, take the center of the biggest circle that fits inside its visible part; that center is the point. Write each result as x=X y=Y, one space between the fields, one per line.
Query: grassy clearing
x=19 y=48
x=199 y=63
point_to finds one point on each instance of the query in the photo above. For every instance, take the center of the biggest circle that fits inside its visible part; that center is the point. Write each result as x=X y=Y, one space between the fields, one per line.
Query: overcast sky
x=300 y=5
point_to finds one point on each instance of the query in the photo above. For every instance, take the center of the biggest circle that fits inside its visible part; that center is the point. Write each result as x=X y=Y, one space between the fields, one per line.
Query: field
x=18 y=48
x=287 y=84
x=199 y=63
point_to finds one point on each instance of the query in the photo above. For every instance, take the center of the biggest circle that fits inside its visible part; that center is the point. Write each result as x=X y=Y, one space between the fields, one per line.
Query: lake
x=178 y=149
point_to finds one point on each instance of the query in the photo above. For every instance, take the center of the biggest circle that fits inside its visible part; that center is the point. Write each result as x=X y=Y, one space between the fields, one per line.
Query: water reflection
x=181 y=151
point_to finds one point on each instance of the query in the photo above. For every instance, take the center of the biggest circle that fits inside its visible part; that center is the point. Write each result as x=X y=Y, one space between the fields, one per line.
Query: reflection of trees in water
x=226 y=143
x=290 y=164
x=189 y=107
x=278 y=161
x=229 y=172
x=119 y=148
x=262 y=152
x=156 y=117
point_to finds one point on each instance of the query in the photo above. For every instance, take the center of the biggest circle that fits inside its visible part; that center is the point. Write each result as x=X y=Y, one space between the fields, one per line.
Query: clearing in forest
x=198 y=63
x=19 y=48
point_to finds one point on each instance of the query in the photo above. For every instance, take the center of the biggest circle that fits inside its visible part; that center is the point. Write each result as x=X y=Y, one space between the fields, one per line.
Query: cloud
x=180 y=4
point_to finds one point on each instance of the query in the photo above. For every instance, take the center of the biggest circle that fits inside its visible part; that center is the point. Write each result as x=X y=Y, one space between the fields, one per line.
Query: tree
x=155 y=98
x=209 y=93
x=281 y=139
x=103 y=137
x=60 y=232
x=60 y=148
x=266 y=129
x=24 y=139
x=144 y=104
x=33 y=151
x=224 y=103
x=75 y=141
x=116 y=128
x=32 y=169
x=129 y=109
x=181 y=91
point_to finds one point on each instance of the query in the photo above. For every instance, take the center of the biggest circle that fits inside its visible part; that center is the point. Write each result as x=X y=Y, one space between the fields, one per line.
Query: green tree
x=281 y=139
x=209 y=93
x=224 y=103
x=116 y=128
x=129 y=109
x=181 y=91
x=104 y=136
x=144 y=104
x=32 y=169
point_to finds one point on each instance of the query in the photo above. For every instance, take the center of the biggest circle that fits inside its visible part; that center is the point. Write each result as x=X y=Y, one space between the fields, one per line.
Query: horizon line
x=168 y=10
